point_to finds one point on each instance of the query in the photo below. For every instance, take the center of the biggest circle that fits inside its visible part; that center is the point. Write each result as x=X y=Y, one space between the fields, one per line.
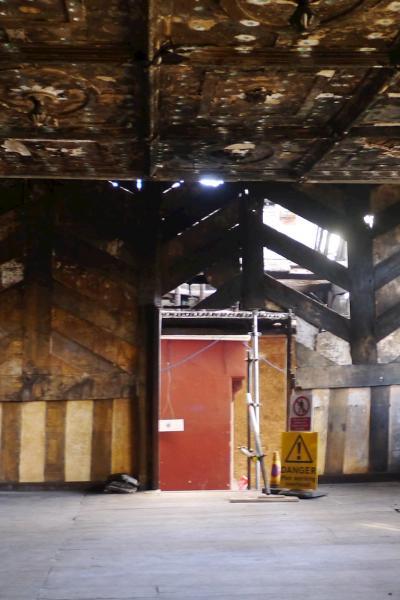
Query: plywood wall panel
x=320 y=423
x=78 y=440
x=122 y=447
x=102 y=439
x=356 y=453
x=10 y=442
x=33 y=442
x=55 y=441
x=336 y=431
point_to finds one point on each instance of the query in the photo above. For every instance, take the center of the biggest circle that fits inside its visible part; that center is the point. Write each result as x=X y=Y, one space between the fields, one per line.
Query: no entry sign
x=300 y=411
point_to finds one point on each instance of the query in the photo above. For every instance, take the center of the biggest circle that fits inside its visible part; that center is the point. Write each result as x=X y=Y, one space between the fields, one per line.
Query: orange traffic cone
x=276 y=470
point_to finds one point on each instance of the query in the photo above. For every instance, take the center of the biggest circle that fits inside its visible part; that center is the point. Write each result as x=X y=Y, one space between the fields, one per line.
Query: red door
x=196 y=395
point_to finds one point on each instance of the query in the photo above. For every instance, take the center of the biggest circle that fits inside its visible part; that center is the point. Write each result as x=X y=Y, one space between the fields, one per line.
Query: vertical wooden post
x=38 y=215
x=251 y=214
x=362 y=332
x=362 y=295
x=147 y=458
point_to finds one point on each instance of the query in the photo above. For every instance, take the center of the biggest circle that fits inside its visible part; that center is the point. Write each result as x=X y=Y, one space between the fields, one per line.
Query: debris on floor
x=121 y=483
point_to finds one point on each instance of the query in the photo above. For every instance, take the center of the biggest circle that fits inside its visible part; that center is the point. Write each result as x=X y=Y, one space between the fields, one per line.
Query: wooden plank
x=78 y=440
x=225 y=296
x=379 y=429
x=53 y=388
x=356 y=459
x=74 y=249
x=336 y=438
x=101 y=440
x=345 y=376
x=113 y=295
x=394 y=430
x=55 y=441
x=311 y=311
x=305 y=257
x=122 y=432
x=387 y=270
x=33 y=442
x=387 y=322
x=118 y=352
x=222 y=57
x=10 y=442
x=320 y=423
x=121 y=324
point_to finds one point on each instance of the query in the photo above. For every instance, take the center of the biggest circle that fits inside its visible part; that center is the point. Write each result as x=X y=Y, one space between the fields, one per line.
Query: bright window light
x=369 y=220
x=210 y=182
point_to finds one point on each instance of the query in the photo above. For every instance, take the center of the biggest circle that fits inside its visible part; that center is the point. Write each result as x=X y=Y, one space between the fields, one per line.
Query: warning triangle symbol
x=299 y=452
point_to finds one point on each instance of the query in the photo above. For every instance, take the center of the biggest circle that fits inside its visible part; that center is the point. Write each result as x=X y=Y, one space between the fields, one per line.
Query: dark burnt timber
x=308 y=309
x=227 y=295
x=306 y=257
x=301 y=204
x=362 y=295
x=388 y=322
x=387 y=270
x=348 y=376
x=224 y=58
x=251 y=214
x=345 y=119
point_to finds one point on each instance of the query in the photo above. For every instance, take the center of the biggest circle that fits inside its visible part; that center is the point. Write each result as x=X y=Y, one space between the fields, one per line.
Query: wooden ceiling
x=172 y=89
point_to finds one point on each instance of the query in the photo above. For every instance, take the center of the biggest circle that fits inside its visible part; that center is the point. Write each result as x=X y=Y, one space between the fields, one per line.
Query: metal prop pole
x=256 y=386
x=249 y=387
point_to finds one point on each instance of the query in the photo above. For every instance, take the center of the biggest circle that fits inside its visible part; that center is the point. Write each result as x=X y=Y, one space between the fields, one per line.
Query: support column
x=251 y=214
x=362 y=332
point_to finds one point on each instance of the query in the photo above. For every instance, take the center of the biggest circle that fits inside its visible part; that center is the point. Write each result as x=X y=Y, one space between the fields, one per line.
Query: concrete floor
x=70 y=546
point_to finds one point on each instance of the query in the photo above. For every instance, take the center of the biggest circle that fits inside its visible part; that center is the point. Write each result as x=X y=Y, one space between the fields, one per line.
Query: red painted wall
x=196 y=385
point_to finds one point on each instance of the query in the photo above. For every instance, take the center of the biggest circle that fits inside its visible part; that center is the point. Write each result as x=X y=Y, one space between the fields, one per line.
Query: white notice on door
x=171 y=425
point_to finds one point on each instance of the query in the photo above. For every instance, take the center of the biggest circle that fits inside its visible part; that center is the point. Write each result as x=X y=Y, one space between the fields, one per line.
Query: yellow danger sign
x=299 y=460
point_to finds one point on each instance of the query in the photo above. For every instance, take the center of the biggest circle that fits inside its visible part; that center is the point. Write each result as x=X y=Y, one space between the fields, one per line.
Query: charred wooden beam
x=64 y=54
x=226 y=296
x=183 y=269
x=252 y=294
x=342 y=122
x=295 y=200
x=387 y=270
x=362 y=296
x=38 y=216
x=388 y=322
x=272 y=132
x=227 y=57
x=386 y=219
x=196 y=207
x=305 y=257
x=311 y=311
x=347 y=376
